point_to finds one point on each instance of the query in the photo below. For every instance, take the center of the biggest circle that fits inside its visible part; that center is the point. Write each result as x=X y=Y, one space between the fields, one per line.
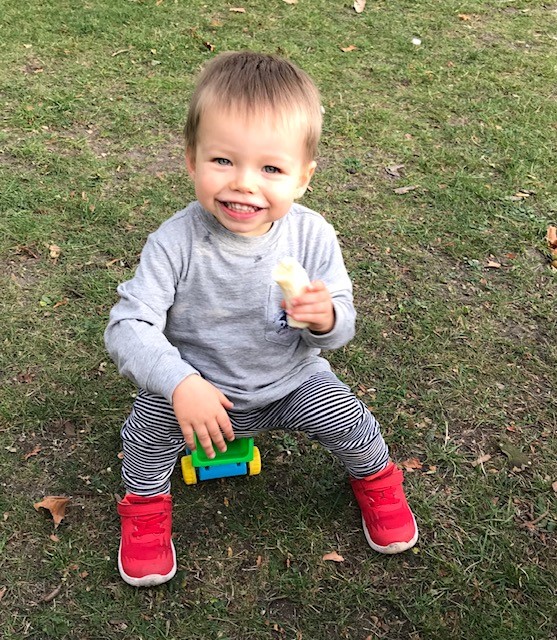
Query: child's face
x=248 y=171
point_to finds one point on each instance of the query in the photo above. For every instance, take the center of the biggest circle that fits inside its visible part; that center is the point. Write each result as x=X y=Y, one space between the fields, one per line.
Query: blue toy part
x=222 y=471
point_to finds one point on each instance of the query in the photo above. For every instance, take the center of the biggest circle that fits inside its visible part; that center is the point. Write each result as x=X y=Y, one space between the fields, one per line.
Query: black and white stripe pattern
x=323 y=408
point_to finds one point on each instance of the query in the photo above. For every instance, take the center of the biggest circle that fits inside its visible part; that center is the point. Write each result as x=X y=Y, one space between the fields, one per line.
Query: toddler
x=202 y=329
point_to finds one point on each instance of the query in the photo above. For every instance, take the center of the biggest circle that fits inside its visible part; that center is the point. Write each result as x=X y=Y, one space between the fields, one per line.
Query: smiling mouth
x=240 y=211
x=237 y=207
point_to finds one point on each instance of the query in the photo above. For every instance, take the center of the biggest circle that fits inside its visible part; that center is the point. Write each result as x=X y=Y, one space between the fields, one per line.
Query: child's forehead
x=249 y=116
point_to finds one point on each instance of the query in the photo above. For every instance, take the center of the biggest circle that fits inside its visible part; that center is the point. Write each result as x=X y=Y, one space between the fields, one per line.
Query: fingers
x=314 y=306
x=211 y=435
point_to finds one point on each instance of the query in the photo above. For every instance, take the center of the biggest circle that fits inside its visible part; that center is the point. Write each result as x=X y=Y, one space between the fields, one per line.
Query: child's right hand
x=200 y=408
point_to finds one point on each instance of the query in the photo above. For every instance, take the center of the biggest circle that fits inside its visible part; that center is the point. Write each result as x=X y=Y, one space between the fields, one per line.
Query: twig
x=531 y=523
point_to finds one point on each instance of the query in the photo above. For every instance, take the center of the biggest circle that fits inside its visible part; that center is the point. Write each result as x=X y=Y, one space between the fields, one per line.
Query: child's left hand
x=314 y=306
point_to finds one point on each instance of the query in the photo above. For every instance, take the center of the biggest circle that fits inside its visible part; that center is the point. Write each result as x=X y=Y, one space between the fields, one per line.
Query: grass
x=455 y=357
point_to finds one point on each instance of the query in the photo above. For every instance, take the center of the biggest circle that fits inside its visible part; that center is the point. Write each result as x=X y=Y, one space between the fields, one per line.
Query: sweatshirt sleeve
x=332 y=271
x=135 y=336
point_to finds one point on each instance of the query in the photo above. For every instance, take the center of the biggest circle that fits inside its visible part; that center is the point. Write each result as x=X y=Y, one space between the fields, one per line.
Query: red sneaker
x=389 y=525
x=146 y=556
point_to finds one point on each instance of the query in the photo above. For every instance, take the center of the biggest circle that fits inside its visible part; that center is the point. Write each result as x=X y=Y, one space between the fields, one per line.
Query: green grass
x=452 y=355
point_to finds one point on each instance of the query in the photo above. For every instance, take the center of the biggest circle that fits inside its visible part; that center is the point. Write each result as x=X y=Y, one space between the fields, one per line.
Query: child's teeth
x=241 y=207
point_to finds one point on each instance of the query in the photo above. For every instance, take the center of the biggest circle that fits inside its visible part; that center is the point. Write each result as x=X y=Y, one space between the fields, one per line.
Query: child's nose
x=245 y=181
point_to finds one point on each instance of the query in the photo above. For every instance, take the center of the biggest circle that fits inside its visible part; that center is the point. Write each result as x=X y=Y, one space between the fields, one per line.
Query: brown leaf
x=2 y=592
x=483 y=458
x=554 y=486
x=54 y=251
x=552 y=237
x=359 y=5
x=394 y=170
x=237 y=10
x=349 y=48
x=492 y=264
x=56 y=505
x=411 y=464
x=403 y=190
x=50 y=596
x=464 y=17
x=333 y=556
x=35 y=451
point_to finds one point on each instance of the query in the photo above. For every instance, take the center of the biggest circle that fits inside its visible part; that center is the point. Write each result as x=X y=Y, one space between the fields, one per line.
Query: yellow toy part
x=254 y=465
x=188 y=470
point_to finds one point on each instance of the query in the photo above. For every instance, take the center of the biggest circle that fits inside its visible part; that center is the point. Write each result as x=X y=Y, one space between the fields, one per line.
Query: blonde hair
x=249 y=83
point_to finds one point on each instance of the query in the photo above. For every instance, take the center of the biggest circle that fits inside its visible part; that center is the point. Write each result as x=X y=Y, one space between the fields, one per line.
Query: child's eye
x=223 y=162
x=270 y=169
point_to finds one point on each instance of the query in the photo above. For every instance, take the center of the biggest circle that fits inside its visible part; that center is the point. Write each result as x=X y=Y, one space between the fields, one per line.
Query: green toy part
x=239 y=450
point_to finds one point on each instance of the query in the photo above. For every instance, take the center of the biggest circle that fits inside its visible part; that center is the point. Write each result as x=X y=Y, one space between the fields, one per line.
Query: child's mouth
x=239 y=210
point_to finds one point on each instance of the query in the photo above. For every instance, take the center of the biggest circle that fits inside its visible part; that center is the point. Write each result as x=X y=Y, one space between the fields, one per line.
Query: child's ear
x=305 y=177
x=190 y=162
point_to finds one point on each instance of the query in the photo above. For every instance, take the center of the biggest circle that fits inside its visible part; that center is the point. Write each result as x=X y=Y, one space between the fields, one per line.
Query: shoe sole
x=394 y=547
x=151 y=580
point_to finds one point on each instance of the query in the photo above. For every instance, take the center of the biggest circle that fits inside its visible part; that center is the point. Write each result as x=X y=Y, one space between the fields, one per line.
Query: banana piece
x=292 y=278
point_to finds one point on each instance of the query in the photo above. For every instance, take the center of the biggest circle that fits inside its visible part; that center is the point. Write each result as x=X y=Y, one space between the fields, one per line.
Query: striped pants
x=323 y=408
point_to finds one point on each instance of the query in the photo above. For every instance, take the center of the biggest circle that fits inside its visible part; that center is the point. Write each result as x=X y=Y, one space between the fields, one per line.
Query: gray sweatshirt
x=203 y=301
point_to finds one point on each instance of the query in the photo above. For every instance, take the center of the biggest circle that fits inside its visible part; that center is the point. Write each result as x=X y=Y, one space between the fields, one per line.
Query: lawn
x=437 y=168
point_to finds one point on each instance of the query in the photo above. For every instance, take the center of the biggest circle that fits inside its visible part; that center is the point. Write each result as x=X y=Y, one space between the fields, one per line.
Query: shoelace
x=144 y=525
x=381 y=496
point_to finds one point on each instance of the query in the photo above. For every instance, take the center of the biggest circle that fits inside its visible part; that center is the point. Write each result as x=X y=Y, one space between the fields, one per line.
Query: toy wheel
x=254 y=465
x=188 y=470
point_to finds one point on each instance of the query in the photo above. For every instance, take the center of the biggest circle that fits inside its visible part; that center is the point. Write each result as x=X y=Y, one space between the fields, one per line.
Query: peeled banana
x=292 y=278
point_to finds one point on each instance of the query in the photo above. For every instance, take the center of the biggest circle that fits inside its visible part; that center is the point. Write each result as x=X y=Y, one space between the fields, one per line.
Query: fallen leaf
x=2 y=592
x=333 y=556
x=359 y=5
x=411 y=464
x=56 y=505
x=54 y=251
x=35 y=451
x=518 y=460
x=291 y=1
x=403 y=190
x=348 y=48
x=484 y=458
x=554 y=486
x=394 y=170
x=492 y=264
x=552 y=237
x=463 y=16
x=50 y=596
x=237 y=10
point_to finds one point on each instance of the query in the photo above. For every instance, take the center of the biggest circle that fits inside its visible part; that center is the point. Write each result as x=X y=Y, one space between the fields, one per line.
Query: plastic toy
x=241 y=458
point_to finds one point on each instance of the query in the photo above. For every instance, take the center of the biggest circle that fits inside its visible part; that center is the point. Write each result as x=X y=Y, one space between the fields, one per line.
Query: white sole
x=395 y=547
x=151 y=580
